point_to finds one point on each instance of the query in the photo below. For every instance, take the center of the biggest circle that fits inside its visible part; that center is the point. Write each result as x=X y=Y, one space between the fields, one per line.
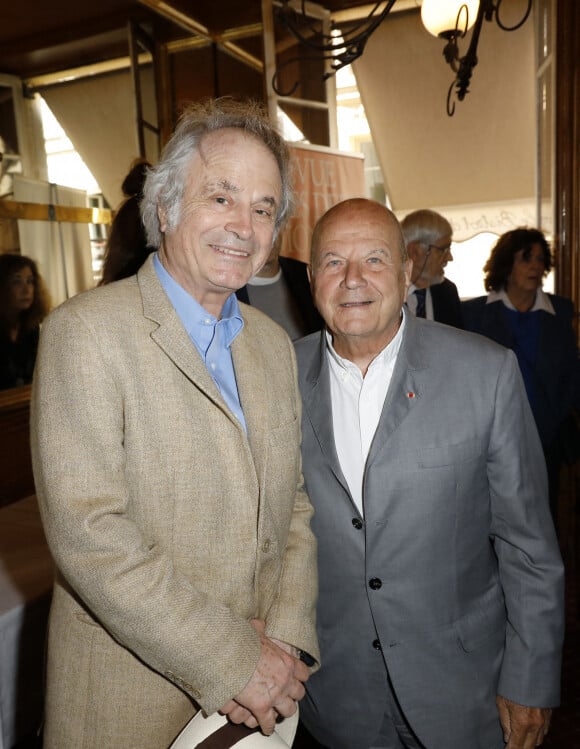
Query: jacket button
x=266 y=546
x=375 y=583
x=357 y=523
x=377 y=644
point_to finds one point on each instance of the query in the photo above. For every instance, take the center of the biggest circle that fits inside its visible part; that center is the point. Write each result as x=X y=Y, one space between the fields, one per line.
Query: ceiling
x=39 y=37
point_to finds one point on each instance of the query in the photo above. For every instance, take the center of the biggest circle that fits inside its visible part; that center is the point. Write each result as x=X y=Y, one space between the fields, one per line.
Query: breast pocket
x=449 y=455
x=285 y=434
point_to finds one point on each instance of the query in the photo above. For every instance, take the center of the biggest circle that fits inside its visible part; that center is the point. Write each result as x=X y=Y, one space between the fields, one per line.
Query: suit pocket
x=477 y=627
x=86 y=618
x=448 y=455
x=284 y=435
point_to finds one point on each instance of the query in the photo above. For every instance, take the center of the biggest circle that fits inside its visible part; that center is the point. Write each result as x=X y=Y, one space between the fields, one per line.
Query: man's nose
x=240 y=222
x=353 y=276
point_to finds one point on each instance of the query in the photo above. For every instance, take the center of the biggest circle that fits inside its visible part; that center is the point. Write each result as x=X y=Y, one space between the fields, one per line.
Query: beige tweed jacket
x=169 y=526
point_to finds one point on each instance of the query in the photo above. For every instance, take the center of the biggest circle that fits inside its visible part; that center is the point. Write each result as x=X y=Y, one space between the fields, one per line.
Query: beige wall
x=486 y=151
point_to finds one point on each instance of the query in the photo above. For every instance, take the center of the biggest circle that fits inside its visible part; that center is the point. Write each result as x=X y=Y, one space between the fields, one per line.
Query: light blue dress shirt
x=211 y=337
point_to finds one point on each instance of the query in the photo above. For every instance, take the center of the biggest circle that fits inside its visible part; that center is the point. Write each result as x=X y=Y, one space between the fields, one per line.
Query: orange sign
x=322 y=177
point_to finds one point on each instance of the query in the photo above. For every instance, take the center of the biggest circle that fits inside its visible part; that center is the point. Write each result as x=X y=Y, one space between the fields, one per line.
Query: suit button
x=266 y=546
x=375 y=583
x=377 y=644
x=357 y=523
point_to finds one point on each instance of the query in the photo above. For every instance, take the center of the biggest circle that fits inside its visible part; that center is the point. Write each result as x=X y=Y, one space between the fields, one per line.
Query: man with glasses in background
x=431 y=295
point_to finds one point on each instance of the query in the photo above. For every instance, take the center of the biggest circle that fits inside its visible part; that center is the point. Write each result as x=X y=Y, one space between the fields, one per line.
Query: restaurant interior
x=490 y=151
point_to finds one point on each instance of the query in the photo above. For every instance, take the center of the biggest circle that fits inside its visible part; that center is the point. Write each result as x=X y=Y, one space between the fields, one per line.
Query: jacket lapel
x=493 y=324
x=551 y=343
x=317 y=405
x=172 y=338
x=253 y=389
x=407 y=387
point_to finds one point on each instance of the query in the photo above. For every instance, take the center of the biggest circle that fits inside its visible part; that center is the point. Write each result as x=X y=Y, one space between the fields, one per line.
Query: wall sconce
x=450 y=20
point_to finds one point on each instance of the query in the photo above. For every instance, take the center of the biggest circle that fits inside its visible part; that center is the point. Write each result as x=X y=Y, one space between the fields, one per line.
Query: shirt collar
x=436 y=281
x=198 y=322
x=412 y=289
x=388 y=354
x=542 y=301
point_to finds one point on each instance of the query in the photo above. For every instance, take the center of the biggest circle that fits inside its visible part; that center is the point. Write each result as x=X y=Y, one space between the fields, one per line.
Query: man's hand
x=523 y=727
x=275 y=687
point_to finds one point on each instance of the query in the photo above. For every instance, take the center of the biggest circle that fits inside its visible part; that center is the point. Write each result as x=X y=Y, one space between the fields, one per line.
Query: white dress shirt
x=357 y=404
x=412 y=299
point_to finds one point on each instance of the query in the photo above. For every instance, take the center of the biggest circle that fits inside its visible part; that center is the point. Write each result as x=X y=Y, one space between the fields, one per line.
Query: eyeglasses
x=443 y=250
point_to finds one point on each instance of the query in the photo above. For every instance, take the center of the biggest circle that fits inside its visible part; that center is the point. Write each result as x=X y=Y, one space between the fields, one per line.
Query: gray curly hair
x=165 y=183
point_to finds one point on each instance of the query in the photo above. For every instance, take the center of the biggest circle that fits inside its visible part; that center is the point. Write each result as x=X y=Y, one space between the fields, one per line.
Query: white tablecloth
x=26 y=575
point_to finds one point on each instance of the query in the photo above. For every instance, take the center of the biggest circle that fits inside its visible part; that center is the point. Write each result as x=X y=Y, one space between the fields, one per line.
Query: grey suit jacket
x=170 y=526
x=453 y=578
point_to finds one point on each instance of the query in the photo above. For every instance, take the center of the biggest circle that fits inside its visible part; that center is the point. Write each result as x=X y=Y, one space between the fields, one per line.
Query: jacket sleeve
x=530 y=565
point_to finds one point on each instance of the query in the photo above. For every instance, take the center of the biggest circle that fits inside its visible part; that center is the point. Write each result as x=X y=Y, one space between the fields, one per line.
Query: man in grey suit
x=440 y=612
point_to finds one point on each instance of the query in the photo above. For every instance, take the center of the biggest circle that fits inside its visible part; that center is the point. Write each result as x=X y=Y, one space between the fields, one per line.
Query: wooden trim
x=14 y=209
x=14 y=399
x=567 y=150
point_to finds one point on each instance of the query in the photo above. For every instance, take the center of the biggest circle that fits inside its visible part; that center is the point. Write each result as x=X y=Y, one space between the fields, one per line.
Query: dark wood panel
x=567 y=152
x=16 y=479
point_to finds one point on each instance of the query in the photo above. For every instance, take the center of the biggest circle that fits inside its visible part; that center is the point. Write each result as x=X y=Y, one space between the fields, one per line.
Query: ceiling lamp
x=450 y=20
x=340 y=47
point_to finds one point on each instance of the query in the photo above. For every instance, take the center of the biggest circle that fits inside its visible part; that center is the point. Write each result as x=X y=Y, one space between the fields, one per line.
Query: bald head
x=357 y=209
x=360 y=275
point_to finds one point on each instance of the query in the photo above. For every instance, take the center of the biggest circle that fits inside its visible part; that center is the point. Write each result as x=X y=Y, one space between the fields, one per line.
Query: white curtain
x=61 y=250
x=98 y=115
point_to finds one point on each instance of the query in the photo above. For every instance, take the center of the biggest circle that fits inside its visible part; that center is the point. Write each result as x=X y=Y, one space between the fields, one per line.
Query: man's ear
x=413 y=251
x=162 y=216
x=407 y=272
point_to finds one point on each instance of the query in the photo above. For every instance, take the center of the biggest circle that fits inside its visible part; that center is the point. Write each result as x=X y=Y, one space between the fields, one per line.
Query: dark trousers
x=304 y=740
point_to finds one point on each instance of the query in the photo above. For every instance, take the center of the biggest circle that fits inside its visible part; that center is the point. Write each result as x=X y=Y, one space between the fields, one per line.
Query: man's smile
x=360 y=303
x=230 y=251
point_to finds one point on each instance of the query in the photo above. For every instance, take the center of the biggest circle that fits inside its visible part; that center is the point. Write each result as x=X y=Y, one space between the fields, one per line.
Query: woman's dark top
x=17 y=359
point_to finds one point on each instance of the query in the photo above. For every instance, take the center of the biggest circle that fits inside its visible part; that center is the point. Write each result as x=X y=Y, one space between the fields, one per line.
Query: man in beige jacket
x=165 y=441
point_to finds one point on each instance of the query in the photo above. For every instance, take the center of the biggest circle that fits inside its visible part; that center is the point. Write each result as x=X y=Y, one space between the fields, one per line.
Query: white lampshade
x=440 y=16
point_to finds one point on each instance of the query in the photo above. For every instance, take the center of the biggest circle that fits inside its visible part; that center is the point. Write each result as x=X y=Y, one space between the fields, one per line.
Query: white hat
x=216 y=732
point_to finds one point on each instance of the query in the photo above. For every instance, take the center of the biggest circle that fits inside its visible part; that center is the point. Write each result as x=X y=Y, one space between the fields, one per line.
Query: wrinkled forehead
x=354 y=230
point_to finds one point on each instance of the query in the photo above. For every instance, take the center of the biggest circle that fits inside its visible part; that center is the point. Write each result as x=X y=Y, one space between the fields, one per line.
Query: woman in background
x=24 y=303
x=538 y=327
x=127 y=246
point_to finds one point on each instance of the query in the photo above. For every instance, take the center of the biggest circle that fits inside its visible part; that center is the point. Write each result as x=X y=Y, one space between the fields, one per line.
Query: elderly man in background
x=428 y=240
x=440 y=613
x=165 y=440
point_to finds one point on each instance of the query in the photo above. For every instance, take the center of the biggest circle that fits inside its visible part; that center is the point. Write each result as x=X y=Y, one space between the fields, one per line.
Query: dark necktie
x=420 y=310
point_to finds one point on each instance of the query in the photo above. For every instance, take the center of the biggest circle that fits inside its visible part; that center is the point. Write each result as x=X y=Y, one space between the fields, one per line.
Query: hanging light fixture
x=339 y=47
x=451 y=20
